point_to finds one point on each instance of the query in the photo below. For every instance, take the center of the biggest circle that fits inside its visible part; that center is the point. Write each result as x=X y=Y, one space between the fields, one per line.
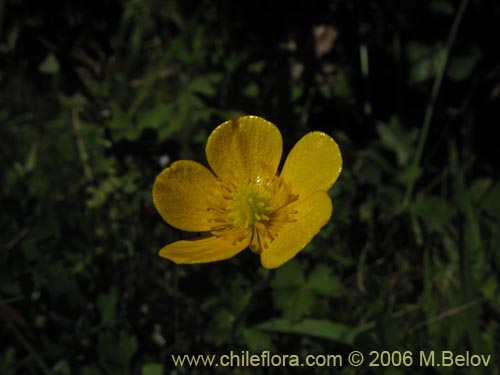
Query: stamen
x=256 y=210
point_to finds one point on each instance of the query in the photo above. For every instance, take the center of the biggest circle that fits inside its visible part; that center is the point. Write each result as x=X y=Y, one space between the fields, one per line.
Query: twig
x=445 y=314
x=31 y=350
x=18 y=238
x=360 y=279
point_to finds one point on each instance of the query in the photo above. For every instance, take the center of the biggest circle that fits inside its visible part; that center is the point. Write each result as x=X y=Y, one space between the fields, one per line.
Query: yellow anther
x=258 y=207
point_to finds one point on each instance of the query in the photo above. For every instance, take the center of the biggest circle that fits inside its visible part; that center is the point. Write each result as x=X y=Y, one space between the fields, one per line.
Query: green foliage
x=312 y=327
x=97 y=100
x=295 y=294
x=424 y=60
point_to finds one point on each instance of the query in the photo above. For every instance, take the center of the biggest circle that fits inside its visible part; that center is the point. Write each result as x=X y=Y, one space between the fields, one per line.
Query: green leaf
x=10 y=288
x=257 y=340
x=479 y=189
x=92 y=370
x=433 y=211
x=121 y=125
x=156 y=117
x=290 y=275
x=441 y=7
x=116 y=351
x=202 y=85
x=257 y=67
x=49 y=65
x=107 y=305
x=424 y=61
x=180 y=50
x=473 y=254
x=290 y=291
x=337 y=332
x=62 y=368
x=220 y=328
x=322 y=282
x=63 y=283
x=395 y=138
x=251 y=90
x=8 y=361
x=461 y=67
x=491 y=201
x=342 y=86
x=31 y=159
x=489 y=288
x=152 y=369
x=388 y=331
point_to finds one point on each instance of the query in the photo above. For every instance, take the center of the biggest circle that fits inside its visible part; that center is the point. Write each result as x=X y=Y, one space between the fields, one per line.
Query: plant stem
x=80 y=143
x=429 y=111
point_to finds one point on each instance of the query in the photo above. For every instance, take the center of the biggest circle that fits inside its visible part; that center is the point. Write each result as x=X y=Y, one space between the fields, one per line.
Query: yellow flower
x=245 y=202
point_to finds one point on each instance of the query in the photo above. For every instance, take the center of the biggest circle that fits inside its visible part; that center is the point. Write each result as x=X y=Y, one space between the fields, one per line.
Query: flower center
x=249 y=206
x=255 y=210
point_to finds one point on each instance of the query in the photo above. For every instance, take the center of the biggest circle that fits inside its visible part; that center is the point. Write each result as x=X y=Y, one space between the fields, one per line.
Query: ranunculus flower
x=244 y=201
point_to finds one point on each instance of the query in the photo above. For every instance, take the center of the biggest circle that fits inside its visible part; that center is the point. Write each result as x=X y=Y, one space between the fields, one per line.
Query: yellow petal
x=314 y=163
x=244 y=148
x=203 y=250
x=312 y=214
x=180 y=194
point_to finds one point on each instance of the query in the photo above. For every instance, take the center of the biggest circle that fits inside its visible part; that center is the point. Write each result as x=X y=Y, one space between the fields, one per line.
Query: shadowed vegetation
x=99 y=97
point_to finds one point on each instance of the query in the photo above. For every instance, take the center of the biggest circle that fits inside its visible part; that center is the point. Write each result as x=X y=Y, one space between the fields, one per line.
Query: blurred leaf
x=62 y=283
x=399 y=141
x=295 y=295
x=10 y=288
x=473 y=254
x=490 y=201
x=342 y=86
x=257 y=66
x=461 y=67
x=49 y=65
x=240 y=293
x=98 y=195
x=116 y=351
x=322 y=281
x=434 y=212
x=251 y=90
x=98 y=88
x=290 y=275
x=180 y=50
x=291 y=294
x=388 y=331
x=92 y=370
x=205 y=84
x=156 y=117
x=152 y=369
x=62 y=368
x=315 y=328
x=424 y=61
x=8 y=361
x=220 y=329
x=257 y=340
x=121 y=125
x=410 y=172
x=441 y=7
x=372 y=174
x=489 y=288
x=107 y=305
x=31 y=159
x=479 y=189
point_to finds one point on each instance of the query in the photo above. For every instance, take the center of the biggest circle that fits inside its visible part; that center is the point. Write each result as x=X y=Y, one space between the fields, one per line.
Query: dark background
x=97 y=97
